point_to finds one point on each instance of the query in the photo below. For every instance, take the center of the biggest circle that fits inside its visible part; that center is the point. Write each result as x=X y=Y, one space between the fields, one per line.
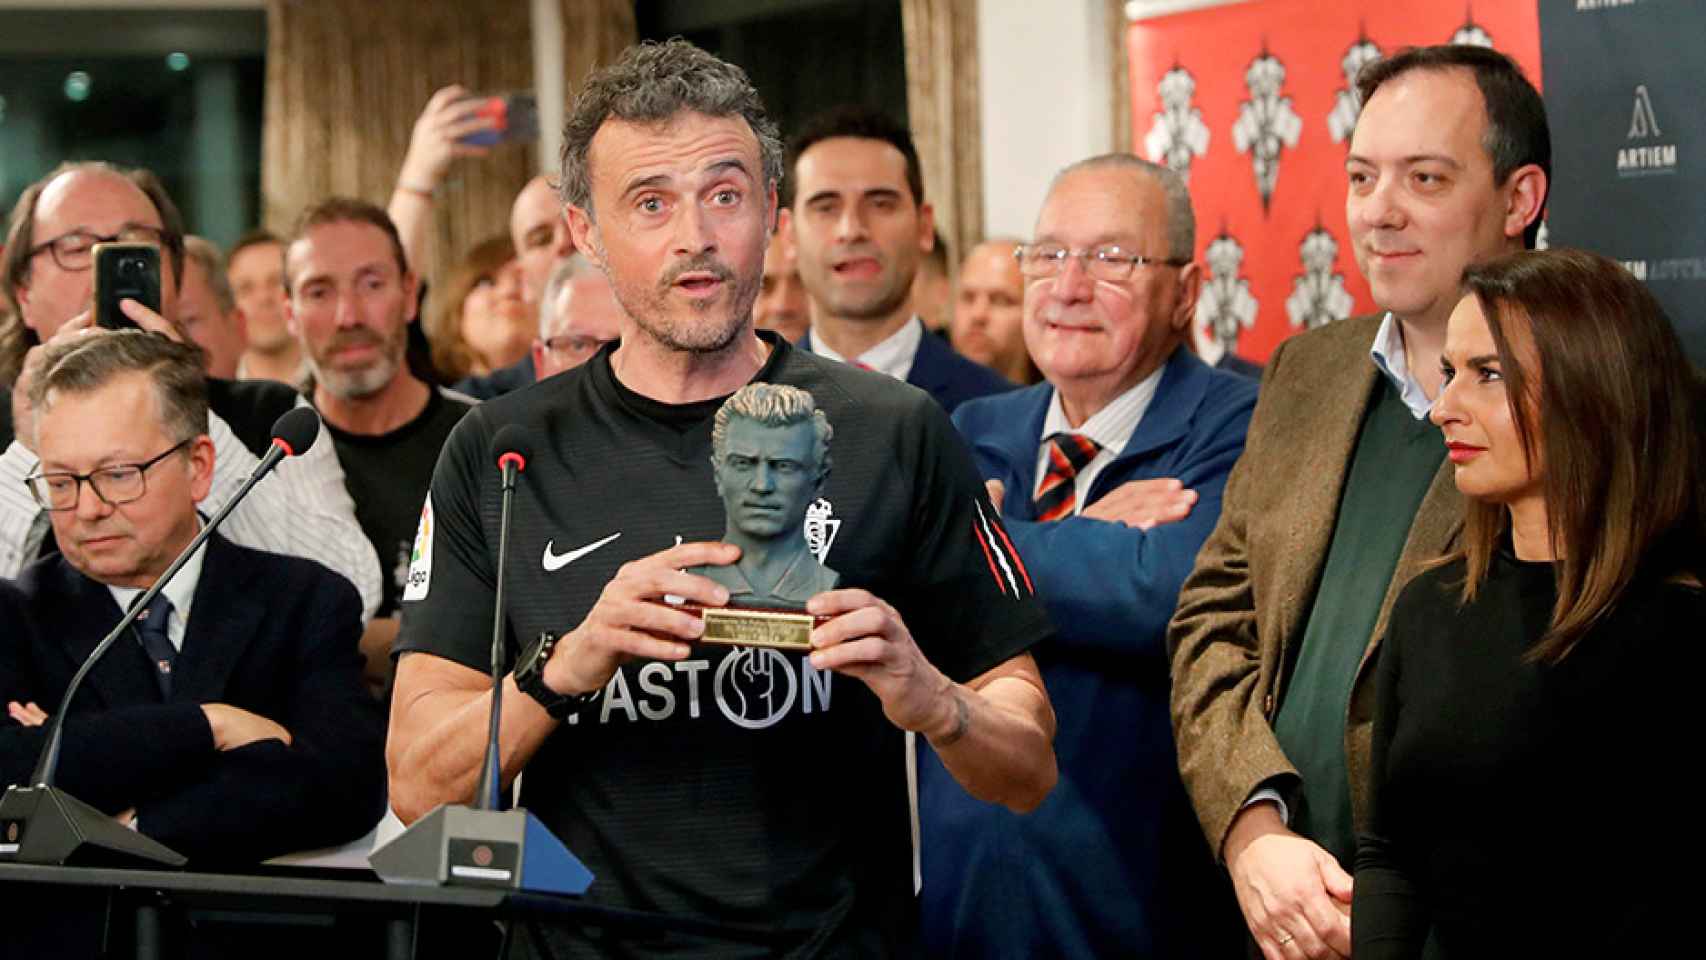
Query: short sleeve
x=966 y=595
x=447 y=598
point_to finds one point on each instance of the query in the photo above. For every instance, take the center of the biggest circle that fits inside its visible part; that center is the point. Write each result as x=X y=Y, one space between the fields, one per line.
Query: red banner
x=1253 y=102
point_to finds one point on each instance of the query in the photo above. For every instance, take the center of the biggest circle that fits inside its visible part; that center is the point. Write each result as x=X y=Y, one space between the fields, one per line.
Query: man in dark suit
x=233 y=727
x=861 y=226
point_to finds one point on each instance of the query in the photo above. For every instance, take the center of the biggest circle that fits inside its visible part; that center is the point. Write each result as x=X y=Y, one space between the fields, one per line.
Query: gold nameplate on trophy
x=780 y=629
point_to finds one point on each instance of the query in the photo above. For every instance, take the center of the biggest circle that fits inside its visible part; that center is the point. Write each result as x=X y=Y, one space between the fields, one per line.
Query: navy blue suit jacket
x=277 y=636
x=944 y=374
x=1112 y=863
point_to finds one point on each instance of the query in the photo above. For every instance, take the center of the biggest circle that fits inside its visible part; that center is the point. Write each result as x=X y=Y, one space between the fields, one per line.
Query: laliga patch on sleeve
x=420 y=561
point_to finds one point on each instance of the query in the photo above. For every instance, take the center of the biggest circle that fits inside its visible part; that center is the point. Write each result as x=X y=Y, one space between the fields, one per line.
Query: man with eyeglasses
x=577 y=316
x=47 y=274
x=232 y=726
x=861 y=229
x=1109 y=477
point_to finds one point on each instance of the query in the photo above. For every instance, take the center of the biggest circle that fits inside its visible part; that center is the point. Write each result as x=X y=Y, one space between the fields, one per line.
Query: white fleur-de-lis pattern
x=1178 y=132
x=1318 y=294
x=1266 y=123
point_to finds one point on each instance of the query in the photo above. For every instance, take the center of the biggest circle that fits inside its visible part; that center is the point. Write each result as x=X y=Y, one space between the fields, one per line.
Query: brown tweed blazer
x=1249 y=596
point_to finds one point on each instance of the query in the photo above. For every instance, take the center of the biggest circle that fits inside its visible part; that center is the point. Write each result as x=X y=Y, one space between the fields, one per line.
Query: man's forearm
x=438 y=741
x=998 y=741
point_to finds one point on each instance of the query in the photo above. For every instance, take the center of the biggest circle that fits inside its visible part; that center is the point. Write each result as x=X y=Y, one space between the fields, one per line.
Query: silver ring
x=1282 y=941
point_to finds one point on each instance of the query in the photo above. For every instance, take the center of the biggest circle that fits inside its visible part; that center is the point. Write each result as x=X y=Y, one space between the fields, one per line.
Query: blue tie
x=151 y=627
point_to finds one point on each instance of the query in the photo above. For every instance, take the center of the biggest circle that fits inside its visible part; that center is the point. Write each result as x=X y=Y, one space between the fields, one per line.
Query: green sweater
x=1395 y=460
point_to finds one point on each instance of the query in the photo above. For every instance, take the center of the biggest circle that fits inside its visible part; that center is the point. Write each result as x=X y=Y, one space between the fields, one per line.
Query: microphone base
x=457 y=845
x=45 y=825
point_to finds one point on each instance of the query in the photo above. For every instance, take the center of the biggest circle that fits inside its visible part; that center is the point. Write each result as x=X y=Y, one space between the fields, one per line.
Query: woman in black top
x=1530 y=793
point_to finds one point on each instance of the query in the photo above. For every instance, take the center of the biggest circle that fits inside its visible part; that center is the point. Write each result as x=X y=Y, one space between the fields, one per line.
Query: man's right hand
x=1295 y=897
x=23 y=417
x=1144 y=503
x=235 y=727
x=630 y=621
x=451 y=113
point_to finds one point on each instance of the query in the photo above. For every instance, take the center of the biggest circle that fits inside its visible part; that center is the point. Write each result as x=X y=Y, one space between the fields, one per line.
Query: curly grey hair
x=650 y=83
x=773 y=405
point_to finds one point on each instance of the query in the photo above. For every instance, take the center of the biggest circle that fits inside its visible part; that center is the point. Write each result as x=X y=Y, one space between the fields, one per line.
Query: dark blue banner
x=1624 y=82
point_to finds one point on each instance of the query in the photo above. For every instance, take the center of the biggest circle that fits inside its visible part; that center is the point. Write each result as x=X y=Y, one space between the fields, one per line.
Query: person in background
x=48 y=273
x=207 y=311
x=783 y=305
x=255 y=270
x=1109 y=478
x=480 y=322
x=1342 y=494
x=352 y=298
x=933 y=289
x=861 y=228
x=1531 y=665
x=579 y=316
x=989 y=312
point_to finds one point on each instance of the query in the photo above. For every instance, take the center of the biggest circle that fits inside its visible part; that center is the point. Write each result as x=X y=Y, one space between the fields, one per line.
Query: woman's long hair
x=451 y=354
x=1618 y=435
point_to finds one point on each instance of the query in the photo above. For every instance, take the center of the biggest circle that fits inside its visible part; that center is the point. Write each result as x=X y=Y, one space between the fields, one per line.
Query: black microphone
x=292 y=433
x=510 y=449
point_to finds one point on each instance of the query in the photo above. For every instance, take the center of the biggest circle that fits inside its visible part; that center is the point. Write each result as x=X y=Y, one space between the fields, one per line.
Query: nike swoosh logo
x=557 y=561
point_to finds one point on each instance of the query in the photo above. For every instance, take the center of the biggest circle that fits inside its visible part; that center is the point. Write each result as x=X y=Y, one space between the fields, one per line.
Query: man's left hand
x=26 y=714
x=867 y=640
x=1144 y=504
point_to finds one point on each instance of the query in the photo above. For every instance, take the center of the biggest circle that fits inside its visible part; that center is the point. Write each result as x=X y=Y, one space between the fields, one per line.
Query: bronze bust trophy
x=769 y=455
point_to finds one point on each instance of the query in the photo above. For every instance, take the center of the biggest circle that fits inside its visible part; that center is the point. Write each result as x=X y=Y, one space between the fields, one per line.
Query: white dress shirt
x=1111 y=427
x=1391 y=360
x=893 y=356
x=302 y=509
x=180 y=590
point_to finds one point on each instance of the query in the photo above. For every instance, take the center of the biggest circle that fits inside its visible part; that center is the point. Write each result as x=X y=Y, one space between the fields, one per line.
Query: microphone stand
x=491 y=772
x=39 y=823
x=480 y=845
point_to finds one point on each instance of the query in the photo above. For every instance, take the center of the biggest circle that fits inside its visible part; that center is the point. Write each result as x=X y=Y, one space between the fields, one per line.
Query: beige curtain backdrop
x=942 y=102
x=1119 y=64
x=345 y=81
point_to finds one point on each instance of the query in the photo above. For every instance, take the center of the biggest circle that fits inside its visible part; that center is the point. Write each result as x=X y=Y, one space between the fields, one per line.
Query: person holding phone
x=47 y=276
x=1530 y=709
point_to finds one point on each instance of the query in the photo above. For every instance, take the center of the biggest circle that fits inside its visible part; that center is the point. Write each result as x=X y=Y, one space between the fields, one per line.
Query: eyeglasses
x=74 y=251
x=1109 y=262
x=114 y=484
x=572 y=344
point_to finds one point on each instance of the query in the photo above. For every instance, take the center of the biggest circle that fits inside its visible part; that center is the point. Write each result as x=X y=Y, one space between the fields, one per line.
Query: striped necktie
x=1067 y=454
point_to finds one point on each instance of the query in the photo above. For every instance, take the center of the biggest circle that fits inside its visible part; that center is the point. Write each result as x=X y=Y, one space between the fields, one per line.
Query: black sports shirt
x=738 y=785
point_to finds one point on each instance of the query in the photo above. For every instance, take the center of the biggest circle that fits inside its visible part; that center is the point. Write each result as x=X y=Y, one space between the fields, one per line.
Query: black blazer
x=944 y=374
x=277 y=636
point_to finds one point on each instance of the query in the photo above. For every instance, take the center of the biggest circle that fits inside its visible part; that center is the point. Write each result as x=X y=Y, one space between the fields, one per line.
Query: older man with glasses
x=1109 y=477
x=47 y=277
x=241 y=689
x=577 y=315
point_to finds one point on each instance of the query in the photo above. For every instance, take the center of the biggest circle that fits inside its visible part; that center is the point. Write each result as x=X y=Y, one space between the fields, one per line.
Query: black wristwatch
x=530 y=679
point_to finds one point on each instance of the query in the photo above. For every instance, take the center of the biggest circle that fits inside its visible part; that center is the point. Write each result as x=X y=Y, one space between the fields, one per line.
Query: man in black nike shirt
x=736 y=784
x=351 y=297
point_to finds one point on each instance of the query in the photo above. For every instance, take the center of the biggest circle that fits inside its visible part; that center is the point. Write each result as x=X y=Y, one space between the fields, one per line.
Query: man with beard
x=861 y=228
x=351 y=300
x=752 y=786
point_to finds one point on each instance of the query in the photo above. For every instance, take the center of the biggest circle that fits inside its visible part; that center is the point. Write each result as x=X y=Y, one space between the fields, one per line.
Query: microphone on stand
x=39 y=823
x=479 y=844
x=512 y=450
